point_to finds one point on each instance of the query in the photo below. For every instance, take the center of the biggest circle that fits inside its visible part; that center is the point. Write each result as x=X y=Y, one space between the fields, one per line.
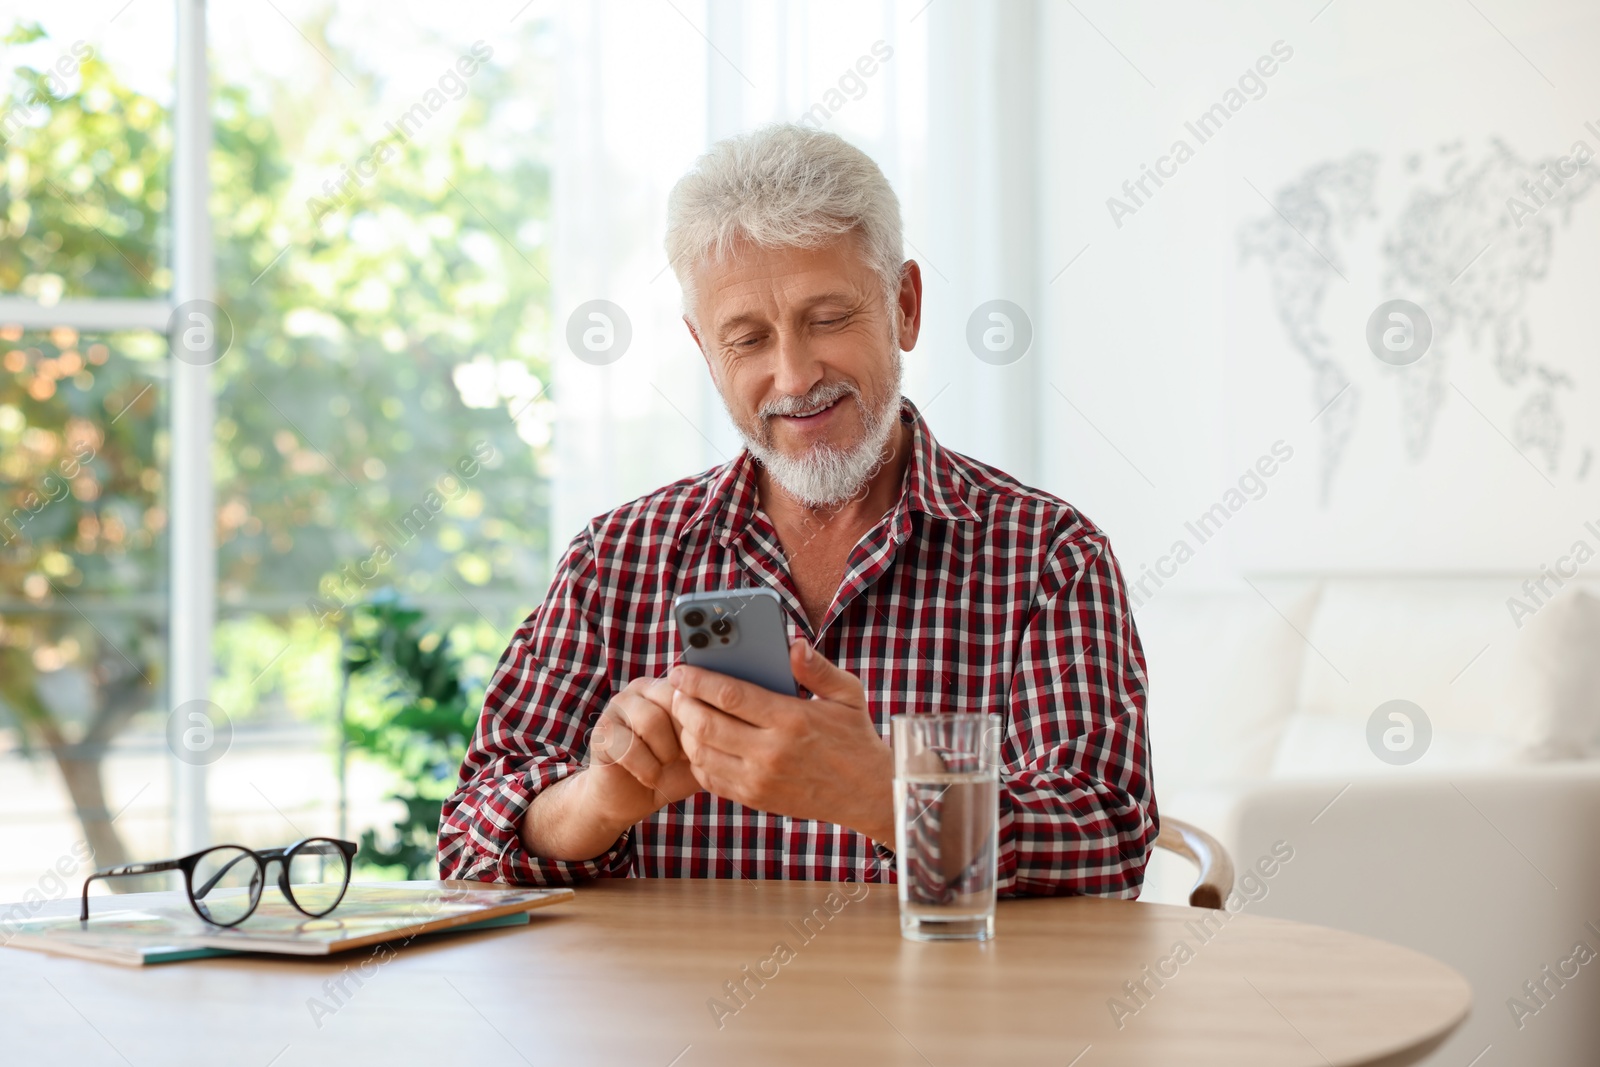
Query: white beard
x=827 y=476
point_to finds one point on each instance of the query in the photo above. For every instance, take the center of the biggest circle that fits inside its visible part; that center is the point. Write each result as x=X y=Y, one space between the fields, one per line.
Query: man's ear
x=910 y=304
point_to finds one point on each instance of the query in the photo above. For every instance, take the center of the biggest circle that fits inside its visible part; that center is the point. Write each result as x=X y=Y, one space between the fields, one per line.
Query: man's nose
x=797 y=371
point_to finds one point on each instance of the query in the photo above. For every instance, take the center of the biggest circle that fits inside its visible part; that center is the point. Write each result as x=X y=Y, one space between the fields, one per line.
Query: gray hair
x=783 y=186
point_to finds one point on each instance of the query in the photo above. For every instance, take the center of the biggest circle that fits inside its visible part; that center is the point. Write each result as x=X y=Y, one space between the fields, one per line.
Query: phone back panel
x=743 y=635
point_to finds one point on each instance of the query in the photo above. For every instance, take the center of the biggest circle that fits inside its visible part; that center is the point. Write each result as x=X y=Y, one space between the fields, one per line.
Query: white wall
x=1175 y=349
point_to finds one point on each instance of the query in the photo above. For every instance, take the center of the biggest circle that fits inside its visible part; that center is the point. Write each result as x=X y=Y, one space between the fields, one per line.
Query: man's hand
x=636 y=767
x=811 y=759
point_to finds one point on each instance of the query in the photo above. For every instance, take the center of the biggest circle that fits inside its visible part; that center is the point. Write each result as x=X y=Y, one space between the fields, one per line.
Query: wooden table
x=631 y=972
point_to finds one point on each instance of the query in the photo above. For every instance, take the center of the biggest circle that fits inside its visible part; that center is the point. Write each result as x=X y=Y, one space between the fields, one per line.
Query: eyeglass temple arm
x=117 y=872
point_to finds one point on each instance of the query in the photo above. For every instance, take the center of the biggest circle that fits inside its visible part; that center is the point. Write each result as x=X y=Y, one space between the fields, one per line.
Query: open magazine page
x=164 y=928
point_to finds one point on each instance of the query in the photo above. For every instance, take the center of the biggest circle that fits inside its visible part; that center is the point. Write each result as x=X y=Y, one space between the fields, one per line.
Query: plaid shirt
x=974 y=593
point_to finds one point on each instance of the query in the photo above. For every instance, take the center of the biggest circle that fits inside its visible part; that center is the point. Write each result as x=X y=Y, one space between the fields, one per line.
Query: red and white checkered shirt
x=974 y=593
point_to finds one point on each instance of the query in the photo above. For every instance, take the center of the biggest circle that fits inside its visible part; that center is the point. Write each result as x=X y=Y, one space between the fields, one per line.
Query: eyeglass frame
x=263 y=857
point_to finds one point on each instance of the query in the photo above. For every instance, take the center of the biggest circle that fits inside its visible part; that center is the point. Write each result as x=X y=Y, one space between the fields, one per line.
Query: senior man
x=913 y=579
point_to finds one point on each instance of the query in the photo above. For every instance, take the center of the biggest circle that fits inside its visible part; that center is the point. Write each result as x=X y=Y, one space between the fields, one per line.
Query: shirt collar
x=932 y=486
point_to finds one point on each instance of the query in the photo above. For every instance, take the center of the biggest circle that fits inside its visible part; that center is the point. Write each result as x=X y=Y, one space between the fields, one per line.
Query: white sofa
x=1484 y=852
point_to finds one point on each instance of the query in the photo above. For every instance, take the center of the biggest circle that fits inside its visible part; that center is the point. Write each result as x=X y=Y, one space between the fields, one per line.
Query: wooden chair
x=1215 y=882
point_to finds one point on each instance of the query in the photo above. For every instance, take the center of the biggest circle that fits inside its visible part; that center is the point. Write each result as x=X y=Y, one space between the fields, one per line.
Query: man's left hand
x=810 y=759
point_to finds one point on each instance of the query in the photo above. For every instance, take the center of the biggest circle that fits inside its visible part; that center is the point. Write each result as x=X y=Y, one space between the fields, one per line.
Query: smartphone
x=737 y=632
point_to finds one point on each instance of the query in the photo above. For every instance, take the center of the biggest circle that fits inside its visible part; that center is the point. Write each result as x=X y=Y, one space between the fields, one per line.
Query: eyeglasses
x=224 y=882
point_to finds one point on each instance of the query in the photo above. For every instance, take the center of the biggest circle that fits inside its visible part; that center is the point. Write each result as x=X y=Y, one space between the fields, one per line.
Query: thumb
x=825 y=680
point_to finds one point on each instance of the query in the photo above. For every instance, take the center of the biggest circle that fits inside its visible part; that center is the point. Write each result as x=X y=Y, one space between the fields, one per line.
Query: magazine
x=163 y=927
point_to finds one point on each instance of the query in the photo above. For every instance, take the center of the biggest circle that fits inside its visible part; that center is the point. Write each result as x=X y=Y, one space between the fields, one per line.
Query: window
x=377 y=408
x=369 y=208
x=383 y=420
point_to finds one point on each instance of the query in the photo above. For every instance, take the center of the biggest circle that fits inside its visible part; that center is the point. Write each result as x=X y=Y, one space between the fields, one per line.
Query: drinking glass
x=947 y=823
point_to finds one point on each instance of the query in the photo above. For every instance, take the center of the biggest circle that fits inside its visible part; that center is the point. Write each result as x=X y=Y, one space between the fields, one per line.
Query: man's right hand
x=635 y=768
x=636 y=764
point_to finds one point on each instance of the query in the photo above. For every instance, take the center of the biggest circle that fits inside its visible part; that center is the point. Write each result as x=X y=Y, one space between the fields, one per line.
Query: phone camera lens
x=722 y=627
x=699 y=639
x=694 y=617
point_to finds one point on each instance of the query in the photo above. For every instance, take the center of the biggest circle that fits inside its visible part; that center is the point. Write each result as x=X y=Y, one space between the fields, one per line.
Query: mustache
x=823 y=394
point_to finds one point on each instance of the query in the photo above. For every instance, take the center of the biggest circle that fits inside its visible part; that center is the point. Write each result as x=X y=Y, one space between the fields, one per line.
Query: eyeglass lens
x=226 y=884
x=317 y=872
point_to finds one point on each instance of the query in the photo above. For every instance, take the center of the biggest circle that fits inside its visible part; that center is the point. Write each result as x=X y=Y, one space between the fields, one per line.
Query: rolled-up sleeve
x=544 y=698
x=1077 y=805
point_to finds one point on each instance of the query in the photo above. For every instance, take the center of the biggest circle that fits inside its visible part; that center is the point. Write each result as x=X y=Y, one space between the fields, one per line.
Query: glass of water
x=947 y=819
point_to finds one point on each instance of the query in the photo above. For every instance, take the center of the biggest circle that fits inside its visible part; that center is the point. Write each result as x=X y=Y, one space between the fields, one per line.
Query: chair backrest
x=1215 y=880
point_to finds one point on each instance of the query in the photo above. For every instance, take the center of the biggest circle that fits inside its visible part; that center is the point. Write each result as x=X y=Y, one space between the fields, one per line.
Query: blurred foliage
x=382 y=349
x=425 y=717
x=85 y=197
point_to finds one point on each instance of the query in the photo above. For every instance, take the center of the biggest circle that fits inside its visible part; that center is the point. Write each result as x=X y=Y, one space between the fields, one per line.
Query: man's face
x=801 y=346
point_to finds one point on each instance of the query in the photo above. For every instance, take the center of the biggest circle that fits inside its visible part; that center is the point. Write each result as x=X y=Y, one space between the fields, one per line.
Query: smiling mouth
x=814 y=412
